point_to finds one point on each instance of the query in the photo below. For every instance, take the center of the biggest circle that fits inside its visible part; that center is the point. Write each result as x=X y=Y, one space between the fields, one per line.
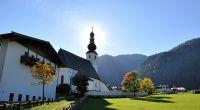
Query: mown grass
x=157 y=102
x=54 y=105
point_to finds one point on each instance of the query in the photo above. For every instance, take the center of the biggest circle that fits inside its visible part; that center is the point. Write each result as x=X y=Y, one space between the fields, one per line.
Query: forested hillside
x=179 y=66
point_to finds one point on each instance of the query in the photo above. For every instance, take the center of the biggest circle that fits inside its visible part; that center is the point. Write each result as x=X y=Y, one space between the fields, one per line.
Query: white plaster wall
x=93 y=60
x=91 y=86
x=3 y=49
x=96 y=85
x=103 y=87
x=92 y=56
x=17 y=78
x=67 y=73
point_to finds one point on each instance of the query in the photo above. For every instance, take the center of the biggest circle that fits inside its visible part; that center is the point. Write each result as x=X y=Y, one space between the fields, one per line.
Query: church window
x=62 y=79
x=95 y=57
x=89 y=56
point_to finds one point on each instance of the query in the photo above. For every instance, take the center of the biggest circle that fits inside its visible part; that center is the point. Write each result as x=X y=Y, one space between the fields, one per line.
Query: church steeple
x=92 y=47
x=91 y=54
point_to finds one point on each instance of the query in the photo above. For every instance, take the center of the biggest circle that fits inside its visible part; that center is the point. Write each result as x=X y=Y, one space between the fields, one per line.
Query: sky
x=120 y=26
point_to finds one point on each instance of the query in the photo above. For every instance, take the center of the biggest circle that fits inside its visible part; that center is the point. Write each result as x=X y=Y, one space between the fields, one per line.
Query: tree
x=81 y=83
x=43 y=72
x=147 y=86
x=131 y=82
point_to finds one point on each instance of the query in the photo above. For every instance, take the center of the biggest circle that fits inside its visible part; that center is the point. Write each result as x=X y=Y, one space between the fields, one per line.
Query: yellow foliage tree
x=43 y=72
x=147 y=85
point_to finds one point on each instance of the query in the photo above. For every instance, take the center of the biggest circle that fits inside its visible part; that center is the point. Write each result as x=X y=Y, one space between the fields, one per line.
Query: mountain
x=112 y=68
x=179 y=66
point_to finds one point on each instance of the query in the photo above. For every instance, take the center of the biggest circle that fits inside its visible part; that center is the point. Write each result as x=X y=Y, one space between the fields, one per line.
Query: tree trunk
x=43 y=91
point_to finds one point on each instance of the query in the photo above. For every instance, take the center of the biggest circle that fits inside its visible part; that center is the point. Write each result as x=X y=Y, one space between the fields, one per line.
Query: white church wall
x=96 y=85
x=68 y=73
x=93 y=57
x=103 y=87
x=92 y=85
x=17 y=78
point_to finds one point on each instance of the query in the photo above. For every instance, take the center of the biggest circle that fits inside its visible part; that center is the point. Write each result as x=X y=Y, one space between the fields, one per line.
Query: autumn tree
x=81 y=83
x=147 y=85
x=131 y=82
x=43 y=72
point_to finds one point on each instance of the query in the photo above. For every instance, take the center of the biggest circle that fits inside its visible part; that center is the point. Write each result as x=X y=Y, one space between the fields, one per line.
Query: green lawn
x=53 y=106
x=156 y=102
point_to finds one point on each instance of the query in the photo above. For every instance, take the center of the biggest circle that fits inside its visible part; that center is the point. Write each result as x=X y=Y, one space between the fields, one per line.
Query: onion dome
x=92 y=47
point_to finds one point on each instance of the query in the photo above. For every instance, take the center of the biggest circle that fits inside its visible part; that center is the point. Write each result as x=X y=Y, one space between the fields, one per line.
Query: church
x=19 y=52
x=88 y=67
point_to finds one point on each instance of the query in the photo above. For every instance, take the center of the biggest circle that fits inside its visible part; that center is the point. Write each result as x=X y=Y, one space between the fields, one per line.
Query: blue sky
x=120 y=26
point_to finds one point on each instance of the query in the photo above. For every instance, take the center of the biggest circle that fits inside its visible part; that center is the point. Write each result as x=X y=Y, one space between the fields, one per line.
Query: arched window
x=62 y=79
x=89 y=56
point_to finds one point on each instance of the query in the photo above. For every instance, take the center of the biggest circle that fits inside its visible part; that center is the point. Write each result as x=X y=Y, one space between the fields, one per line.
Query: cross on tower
x=92 y=28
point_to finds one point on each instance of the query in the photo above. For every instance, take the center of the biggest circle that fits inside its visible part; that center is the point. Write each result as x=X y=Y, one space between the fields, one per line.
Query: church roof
x=73 y=61
x=44 y=48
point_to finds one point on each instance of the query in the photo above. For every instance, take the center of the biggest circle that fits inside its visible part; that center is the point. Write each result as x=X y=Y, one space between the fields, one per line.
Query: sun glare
x=99 y=35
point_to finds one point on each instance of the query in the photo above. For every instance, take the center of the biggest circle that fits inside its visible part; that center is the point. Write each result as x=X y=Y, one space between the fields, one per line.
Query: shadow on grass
x=160 y=99
x=95 y=104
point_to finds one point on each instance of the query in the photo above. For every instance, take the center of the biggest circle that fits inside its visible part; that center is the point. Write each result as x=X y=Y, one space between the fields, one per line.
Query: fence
x=28 y=104
x=73 y=106
x=22 y=105
x=114 y=94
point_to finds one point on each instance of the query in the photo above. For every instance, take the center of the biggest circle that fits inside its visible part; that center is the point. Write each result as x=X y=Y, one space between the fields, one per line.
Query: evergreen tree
x=81 y=83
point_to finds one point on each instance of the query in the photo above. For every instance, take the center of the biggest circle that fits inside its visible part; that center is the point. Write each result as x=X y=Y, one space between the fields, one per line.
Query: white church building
x=75 y=64
x=19 y=52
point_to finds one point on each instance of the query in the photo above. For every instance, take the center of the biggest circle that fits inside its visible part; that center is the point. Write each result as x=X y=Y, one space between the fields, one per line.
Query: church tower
x=91 y=54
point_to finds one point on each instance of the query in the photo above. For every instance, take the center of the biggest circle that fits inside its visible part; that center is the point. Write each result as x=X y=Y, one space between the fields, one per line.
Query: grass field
x=156 y=102
x=53 y=106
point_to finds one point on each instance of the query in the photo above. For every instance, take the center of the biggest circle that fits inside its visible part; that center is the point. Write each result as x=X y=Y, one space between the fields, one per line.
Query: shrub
x=63 y=89
x=197 y=91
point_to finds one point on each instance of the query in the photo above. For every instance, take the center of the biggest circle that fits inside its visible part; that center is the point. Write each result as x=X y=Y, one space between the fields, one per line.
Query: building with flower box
x=18 y=53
